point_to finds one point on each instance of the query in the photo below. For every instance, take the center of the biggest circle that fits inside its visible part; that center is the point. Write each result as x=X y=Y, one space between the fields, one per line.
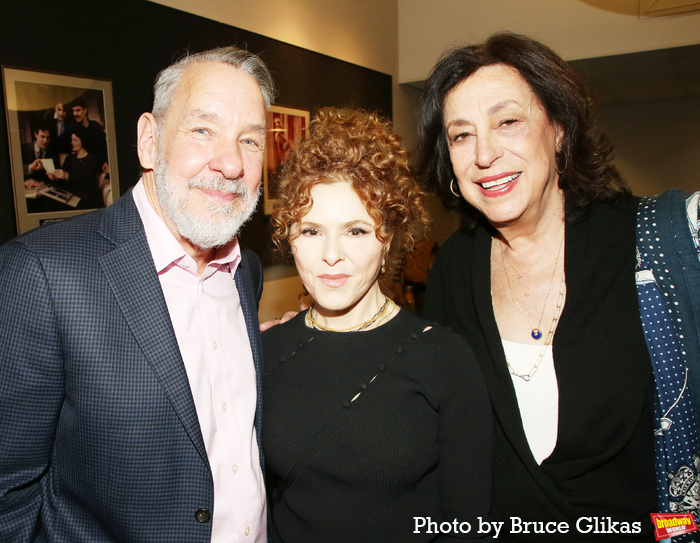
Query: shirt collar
x=165 y=248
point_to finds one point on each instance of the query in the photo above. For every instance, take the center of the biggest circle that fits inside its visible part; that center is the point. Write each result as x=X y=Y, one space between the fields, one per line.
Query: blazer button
x=202 y=515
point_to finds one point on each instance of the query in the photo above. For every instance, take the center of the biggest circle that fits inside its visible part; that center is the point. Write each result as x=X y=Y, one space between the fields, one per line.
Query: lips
x=220 y=194
x=333 y=280
x=220 y=188
x=497 y=185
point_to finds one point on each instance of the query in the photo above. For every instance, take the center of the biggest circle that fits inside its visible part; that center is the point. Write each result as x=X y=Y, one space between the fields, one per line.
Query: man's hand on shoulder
x=289 y=315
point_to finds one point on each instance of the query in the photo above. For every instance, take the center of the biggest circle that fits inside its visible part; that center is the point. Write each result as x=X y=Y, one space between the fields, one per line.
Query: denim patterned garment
x=668 y=268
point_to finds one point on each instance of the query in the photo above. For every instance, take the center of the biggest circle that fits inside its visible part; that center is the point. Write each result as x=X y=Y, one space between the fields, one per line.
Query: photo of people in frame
x=59 y=133
x=286 y=128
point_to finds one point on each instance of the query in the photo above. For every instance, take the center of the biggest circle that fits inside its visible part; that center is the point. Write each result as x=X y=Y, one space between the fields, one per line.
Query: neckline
x=524 y=345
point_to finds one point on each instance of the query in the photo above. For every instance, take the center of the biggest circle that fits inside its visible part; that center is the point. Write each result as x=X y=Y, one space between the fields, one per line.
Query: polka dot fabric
x=677 y=433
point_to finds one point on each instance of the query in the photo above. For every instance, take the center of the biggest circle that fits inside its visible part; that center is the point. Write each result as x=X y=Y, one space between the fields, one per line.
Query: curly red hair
x=358 y=148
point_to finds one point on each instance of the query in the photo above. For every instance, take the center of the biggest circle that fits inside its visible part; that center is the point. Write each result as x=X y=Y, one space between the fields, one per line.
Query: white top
x=538 y=398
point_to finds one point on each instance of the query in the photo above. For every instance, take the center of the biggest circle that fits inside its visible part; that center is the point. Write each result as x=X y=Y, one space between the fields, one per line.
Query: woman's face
x=337 y=252
x=502 y=146
x=75 y=142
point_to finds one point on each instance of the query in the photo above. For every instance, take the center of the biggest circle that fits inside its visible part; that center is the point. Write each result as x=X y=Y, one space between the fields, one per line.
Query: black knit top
x=363 y=431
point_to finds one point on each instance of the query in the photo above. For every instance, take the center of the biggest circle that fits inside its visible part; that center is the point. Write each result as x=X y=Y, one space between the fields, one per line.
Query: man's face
x=60 y=112
x=79 y=113
x=210 y=153
x=43 y=138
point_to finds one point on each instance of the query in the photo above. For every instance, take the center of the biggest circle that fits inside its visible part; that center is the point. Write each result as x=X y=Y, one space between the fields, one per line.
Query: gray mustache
x=234 y=186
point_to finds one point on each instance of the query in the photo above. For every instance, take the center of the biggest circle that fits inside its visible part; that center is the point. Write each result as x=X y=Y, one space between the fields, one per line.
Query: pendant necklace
x=548 y=340
x=519 y=277
x=536 y=331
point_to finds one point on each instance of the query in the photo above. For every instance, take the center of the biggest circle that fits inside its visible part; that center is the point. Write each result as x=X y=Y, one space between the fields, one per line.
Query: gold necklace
x=536 y=331
x=519 y=277
x=357 y=327
x=548 y=340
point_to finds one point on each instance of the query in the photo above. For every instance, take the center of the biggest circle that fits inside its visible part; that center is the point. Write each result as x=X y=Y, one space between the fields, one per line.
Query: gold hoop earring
x=452 y=189
x=566 y=164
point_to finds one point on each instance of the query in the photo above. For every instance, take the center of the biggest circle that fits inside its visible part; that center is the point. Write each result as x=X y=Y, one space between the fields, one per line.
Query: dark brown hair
x=586 y=153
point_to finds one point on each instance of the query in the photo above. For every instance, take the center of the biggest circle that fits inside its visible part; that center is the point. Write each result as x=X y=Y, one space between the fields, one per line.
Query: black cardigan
x=602 y=465
x=416 y=441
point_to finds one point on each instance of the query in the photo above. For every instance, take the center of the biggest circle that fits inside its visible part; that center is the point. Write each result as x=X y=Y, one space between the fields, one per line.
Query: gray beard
x=204 y=232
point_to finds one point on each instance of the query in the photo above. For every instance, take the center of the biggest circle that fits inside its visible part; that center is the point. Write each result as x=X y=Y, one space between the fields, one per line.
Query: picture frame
x=62 y=144
x=286 y=128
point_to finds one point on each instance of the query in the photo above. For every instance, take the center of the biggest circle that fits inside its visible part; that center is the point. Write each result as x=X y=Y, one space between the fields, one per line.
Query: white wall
x=364 y=32
x=576 y=29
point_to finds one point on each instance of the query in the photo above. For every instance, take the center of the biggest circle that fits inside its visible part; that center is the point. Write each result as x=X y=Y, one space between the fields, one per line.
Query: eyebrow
x=490 y=111
x=202 y=114
x=457 y=122
x=501 y=105
x=348 y=224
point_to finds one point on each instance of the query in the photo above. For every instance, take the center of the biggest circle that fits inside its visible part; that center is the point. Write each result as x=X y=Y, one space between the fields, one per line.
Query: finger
x=289 y=315
x=269 y=324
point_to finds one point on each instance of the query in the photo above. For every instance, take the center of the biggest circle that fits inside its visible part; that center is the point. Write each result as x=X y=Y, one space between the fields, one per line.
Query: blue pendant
x=536 y=333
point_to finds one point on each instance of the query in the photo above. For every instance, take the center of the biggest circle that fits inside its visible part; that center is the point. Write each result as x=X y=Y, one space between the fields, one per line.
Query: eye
x=460 y=136
x=508 y=122
x=356 y=232
x=201 y=131
x=309 y=232
x=253 y=143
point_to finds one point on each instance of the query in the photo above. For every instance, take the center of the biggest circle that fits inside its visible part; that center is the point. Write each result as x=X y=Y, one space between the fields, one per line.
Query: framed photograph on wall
x=62 y=145
x=286 y=128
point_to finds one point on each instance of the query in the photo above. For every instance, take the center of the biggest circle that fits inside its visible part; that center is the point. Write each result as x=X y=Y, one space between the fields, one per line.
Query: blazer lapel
x=249 y=303
x=132 y=276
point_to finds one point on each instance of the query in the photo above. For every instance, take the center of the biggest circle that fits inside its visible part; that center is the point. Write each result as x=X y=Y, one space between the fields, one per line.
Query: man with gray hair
x=130 y=362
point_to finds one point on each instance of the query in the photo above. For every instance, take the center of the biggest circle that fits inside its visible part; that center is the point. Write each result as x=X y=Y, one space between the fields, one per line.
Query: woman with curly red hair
x=376 y=422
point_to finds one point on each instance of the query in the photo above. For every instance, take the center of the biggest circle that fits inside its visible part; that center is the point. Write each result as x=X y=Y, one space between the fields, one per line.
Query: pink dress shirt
x=210 y=329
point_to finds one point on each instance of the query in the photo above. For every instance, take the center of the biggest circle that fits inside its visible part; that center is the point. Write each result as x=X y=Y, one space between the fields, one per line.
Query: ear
x=147 y=141
x=558 y=137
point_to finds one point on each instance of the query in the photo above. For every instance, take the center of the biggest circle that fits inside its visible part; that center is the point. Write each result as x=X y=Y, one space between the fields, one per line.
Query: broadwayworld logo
x=672 y=524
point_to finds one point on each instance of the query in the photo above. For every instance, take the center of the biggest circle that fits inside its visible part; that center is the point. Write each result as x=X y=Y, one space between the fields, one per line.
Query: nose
x=332 y=251
x=487 y=150
x=227 y=160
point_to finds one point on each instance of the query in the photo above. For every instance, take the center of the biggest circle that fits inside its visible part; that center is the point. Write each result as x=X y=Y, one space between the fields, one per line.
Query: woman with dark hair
x=541 y=282
x=376 y=423
x=79 y=173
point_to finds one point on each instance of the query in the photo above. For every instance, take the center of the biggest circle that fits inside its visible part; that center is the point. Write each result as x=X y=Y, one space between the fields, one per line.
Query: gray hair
x=169 y=78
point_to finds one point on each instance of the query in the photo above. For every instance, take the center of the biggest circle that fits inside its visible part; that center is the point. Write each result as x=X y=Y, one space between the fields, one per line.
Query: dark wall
x=130 y=41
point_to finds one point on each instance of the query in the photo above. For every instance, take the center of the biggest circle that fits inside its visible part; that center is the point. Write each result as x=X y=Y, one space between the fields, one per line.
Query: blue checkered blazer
x=99 y=438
